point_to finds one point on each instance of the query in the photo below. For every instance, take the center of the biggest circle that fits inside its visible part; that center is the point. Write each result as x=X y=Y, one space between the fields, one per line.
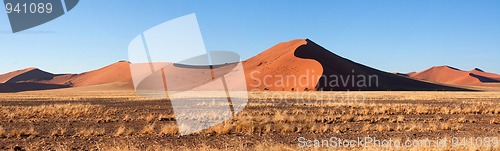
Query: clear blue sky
x=403 y=36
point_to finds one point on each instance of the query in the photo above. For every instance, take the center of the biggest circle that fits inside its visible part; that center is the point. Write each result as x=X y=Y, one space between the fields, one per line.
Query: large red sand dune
x=297 y=65
x=320 y=69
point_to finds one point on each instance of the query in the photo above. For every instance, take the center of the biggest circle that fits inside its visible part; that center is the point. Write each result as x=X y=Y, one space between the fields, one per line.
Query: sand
x=296 y=65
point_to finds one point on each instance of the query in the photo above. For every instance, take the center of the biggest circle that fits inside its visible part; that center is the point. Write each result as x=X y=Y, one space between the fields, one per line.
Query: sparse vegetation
x=90 y=132
x=169 y=130
x=2 y=132
x=148 y=129
x=59 y=132
x=22 y=133
x=120 y=131
x=82 y=118
x=50 y=111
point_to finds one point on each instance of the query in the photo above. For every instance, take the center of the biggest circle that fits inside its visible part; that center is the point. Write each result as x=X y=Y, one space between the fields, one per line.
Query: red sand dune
x=35 y=79
x=272 y=66
x=117 y=72
x=6 y=77
x=297 y=65
x=485 y=74
x=299 y=58
x=450 y=75
x=18 y=81
x=25 y=75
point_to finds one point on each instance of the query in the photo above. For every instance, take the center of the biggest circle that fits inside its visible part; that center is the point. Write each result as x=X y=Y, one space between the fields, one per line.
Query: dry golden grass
x=105 y=120
x=245 y=126
x=148 y=130
x=127 y=118
x=150 y=118
x=59 y=132
x=50 y=111
x=91 y=132
x=393 y=113
x=120 y=131
x=2 y=132
x=223 y=129
x=22 y=132
x=169 y=130
x=494 y=121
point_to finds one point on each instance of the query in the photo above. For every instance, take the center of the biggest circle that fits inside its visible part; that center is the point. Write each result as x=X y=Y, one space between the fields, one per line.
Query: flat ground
x=119 y=120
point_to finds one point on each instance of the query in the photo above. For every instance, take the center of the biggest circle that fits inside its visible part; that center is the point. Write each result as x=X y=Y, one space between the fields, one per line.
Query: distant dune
x=485 y=74
x=25 y=75
x=404 y=74
x=35 y=79
x=450 y=75
x=21 y=80
x=117 y=72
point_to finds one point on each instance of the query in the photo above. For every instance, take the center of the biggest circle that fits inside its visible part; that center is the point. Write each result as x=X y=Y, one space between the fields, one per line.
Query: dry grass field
x=119 y=120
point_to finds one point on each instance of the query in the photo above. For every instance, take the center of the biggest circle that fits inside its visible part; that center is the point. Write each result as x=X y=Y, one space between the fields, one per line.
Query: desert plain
x=97 y=118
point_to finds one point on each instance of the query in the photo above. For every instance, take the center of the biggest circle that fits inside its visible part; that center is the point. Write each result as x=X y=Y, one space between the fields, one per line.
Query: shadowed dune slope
x=31 y=79
x=480 y=72
x=7 y=76
x=320 y=69
x=27 y=74
x=27 y=86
